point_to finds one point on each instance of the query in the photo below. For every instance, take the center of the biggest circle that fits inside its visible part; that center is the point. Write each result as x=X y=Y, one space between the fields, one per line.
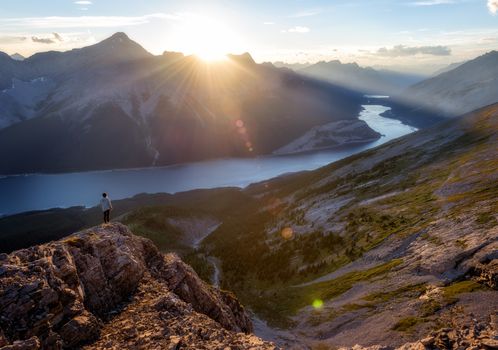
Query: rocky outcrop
x=157 y=318
x=68 y=293
x=474 y=336
x=218 y=305
x=487 y=273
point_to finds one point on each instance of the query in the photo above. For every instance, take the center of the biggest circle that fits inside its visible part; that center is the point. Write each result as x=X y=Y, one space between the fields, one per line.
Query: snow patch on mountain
x=23 y=100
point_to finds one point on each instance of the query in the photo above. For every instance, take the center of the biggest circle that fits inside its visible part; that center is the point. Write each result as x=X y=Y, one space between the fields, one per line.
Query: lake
x=43 y=191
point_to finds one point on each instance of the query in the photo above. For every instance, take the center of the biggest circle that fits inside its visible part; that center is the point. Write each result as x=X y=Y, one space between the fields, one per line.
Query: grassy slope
x=427 y=182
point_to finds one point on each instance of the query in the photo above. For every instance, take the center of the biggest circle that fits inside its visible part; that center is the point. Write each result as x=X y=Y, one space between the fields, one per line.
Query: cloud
x=36 y=39
x=401 y=50
x=56 y=38
x=493 y=6
x=489 y=40
x=81 y=21
x=12 y=39
x=83 y=2
x=297 y=29
x=431 y=2
x=269 y=23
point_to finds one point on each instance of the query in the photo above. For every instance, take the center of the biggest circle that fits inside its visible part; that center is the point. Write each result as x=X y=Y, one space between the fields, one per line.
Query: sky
x=408 y=35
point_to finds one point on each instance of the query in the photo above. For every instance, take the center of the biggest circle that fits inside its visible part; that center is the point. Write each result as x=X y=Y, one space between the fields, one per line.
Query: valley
x=381 y=247
x=365 y=247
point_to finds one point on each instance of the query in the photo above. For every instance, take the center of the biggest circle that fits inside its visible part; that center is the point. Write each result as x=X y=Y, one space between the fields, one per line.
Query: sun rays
x=208 y=38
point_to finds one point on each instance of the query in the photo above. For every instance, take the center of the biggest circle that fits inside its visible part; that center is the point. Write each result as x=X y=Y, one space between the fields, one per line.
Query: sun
x=207 y=38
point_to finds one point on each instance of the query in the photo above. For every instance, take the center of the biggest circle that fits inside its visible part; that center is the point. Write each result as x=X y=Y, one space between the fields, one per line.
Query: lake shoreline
x=379 y=99
x=34 y=192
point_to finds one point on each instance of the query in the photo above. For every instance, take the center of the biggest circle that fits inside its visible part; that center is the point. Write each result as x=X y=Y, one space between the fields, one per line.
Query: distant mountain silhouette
x=114 y=105
x=17 y=57
x=293 y=66
x=448 y=68
x=366 y=80
x=469 y=86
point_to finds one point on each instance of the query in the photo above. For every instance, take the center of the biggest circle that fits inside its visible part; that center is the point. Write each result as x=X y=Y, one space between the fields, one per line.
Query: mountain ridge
x=154 y=110
x=469 y=86
x=365 y=79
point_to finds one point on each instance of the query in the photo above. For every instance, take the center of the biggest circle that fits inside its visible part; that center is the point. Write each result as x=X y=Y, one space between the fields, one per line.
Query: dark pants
x=106 y=216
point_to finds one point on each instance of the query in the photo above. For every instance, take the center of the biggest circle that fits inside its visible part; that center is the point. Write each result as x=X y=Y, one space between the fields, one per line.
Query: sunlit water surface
x=42 y=191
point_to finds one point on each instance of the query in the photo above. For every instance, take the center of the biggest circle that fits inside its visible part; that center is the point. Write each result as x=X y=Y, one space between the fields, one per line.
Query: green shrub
x=407 y=323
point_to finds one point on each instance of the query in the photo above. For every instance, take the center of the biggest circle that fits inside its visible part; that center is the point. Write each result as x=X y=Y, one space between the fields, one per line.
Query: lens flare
x=317 y=304
x=287 y=233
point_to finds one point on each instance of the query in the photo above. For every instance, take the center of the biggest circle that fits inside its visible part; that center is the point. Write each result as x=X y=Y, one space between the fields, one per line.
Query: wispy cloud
x=297 y=29
x=401 y=50
x=306 y=13
x=56 y=37
x=12 y=39
x=493 y=6
x=83 y=2
x=431 y=2
x=81 y=21
x=269 y=23
x=36 y=39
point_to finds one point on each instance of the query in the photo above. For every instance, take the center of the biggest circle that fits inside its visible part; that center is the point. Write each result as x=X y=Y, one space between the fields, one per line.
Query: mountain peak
x=244 y=58
x=3 y=55
x=119 y=36
x=120 y=45
x=17 y=57
x=173 y=55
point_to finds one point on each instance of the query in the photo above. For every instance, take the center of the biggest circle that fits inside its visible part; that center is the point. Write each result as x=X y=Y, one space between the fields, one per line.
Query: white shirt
x=105 y=203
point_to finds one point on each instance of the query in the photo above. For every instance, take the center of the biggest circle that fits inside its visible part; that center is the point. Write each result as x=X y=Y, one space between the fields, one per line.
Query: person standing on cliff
x=106 y=205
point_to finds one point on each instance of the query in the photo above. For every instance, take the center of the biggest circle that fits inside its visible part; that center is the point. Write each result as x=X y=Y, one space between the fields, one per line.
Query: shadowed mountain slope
x=364 y=79
x=114 y=105
x=469 y=86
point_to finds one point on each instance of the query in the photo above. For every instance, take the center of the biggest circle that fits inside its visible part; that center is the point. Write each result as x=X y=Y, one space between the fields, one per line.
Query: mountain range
x=114 y=105
x=364 y=79
x=418 y=100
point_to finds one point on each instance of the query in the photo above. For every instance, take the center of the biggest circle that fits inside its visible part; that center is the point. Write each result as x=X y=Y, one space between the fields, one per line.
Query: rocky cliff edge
x=107 y=288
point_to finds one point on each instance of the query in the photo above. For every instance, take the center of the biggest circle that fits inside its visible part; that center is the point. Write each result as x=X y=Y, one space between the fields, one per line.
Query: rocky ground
x=105 y=288
x=467 y=335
